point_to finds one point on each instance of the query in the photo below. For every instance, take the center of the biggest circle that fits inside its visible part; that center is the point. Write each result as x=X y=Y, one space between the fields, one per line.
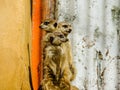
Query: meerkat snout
x=40 y=26
x=69 y=30
x=44 y=25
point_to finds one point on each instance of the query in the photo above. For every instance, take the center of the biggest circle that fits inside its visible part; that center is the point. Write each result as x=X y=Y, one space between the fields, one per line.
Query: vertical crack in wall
x=100 y=70
x=29 y=68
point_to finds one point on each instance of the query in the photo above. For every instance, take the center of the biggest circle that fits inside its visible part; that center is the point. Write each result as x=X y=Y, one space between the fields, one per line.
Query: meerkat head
x=65 y=28
x=57 y=38
x=49 y=25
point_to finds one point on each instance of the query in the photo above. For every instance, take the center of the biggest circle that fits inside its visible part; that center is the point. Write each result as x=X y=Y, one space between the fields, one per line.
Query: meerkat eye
x=46 y=23
x=65 y=26
x=51 y=39
x=55 y=24
x=61 y=36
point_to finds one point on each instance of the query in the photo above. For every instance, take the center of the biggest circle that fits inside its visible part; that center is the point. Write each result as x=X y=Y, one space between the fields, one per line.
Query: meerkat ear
x=55 y=24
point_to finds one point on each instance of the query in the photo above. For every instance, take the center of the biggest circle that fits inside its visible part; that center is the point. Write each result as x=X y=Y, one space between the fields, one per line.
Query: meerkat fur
x=66 y=65
x=49 y=25
x=66 y=29
x=54 y=58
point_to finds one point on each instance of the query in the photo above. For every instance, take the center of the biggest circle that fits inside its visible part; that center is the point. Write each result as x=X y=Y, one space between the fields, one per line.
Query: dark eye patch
x=65 y=26
x=61 y=36
x=51 y=39
x=55 y=24
x=46 y=23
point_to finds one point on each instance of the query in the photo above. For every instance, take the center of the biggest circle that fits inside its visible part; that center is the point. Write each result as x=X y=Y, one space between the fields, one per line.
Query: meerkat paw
x=65 y=85
x=47 y=86
x=73 y=72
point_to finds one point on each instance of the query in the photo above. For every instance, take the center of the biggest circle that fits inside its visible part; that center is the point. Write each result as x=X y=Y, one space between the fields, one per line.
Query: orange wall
x=41 y=10
x=36 y=36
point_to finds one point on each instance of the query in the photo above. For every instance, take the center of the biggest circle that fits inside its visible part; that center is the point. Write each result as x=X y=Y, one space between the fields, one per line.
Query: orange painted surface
x=40 y=11
x=36 y=38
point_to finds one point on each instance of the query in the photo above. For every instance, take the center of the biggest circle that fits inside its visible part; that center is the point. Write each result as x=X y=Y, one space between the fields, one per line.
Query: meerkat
x=69 y=71
x=67 y=66
x=50 y=26
x=66 y=29
x=53 y=60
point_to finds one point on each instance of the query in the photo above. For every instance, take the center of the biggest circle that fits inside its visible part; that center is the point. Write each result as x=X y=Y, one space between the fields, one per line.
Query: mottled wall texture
x=15 y=27
x=95 y=41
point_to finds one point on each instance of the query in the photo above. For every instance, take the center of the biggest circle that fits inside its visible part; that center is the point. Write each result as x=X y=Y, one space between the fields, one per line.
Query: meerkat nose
x=40 y=26
x=70 y=30
x=67 y=39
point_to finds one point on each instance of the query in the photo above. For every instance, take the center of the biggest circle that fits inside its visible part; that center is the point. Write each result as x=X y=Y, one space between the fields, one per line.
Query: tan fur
x=53 y=60
x=59 y=70
x=66 y=28
x=72 y=73
x=49 y=25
